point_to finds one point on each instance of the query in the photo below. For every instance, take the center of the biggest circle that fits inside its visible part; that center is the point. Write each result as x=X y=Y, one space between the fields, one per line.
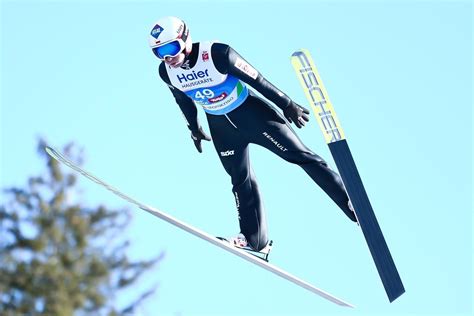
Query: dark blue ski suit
x=252 y=121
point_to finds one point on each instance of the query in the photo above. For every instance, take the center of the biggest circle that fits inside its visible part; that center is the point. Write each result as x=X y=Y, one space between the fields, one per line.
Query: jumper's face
x=175 y=61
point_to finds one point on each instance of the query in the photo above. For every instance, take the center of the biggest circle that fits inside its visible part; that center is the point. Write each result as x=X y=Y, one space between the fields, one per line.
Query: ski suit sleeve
x=227 y=60
x=187 y=106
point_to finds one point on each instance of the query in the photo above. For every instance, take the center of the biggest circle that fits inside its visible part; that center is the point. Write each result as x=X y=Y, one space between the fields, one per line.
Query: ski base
x=367 y=221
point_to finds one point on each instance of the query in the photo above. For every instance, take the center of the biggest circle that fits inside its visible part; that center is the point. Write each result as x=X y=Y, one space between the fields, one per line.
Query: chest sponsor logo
x=193 y=76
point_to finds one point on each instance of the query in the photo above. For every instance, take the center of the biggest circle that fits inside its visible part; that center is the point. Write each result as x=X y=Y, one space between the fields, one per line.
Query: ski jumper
x=214 y=77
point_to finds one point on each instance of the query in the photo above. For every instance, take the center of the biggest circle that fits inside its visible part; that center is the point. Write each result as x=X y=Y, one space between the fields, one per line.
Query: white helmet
x=168 y=37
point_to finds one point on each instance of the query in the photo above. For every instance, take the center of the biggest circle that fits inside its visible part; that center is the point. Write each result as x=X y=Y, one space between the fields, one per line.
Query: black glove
x=197 y=136
x=296 y=114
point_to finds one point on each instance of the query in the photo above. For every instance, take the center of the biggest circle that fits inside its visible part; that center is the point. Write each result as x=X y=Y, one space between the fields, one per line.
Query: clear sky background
x=399 y=75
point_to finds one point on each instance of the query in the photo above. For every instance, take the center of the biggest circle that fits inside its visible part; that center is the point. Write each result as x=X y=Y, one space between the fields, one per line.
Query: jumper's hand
x=197 y=136
x=296 y=114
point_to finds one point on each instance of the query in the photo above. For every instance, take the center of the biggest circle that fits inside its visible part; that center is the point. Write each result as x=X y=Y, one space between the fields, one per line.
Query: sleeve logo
x=243 y=66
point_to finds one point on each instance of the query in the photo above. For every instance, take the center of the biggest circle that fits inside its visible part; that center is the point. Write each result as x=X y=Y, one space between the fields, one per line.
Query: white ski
x=199 y=233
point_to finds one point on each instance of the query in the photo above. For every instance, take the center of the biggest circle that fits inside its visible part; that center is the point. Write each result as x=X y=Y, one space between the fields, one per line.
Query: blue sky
x=399 y=75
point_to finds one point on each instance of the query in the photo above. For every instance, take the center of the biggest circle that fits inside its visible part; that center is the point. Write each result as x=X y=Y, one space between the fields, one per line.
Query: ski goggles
x=170 y=49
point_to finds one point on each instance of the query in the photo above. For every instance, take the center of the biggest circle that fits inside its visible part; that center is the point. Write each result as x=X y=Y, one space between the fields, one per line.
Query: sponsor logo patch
x=192 y=76
x=275 y=142
x=237 y=203
x=227 y=153
x=156 y=31
x=220 y=97
x=243 y=66
x=180 y=29
x=205 y=55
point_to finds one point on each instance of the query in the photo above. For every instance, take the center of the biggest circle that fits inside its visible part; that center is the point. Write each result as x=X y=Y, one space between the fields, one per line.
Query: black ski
x=326 y=116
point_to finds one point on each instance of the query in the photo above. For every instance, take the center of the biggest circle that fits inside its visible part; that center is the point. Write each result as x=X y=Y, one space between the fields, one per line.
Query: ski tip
x=299 y=51
x=49 y=150
x=296 y=53
x=52 y=152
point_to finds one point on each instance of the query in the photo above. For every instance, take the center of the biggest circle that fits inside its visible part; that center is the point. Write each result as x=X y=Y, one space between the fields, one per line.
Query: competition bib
x=217 y=93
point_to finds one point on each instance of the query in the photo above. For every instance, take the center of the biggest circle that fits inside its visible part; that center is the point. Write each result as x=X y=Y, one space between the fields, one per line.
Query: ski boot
x=240 y=242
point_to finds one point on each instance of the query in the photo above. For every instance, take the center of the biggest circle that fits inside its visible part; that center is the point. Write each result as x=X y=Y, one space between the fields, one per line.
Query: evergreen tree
x=58 y=257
